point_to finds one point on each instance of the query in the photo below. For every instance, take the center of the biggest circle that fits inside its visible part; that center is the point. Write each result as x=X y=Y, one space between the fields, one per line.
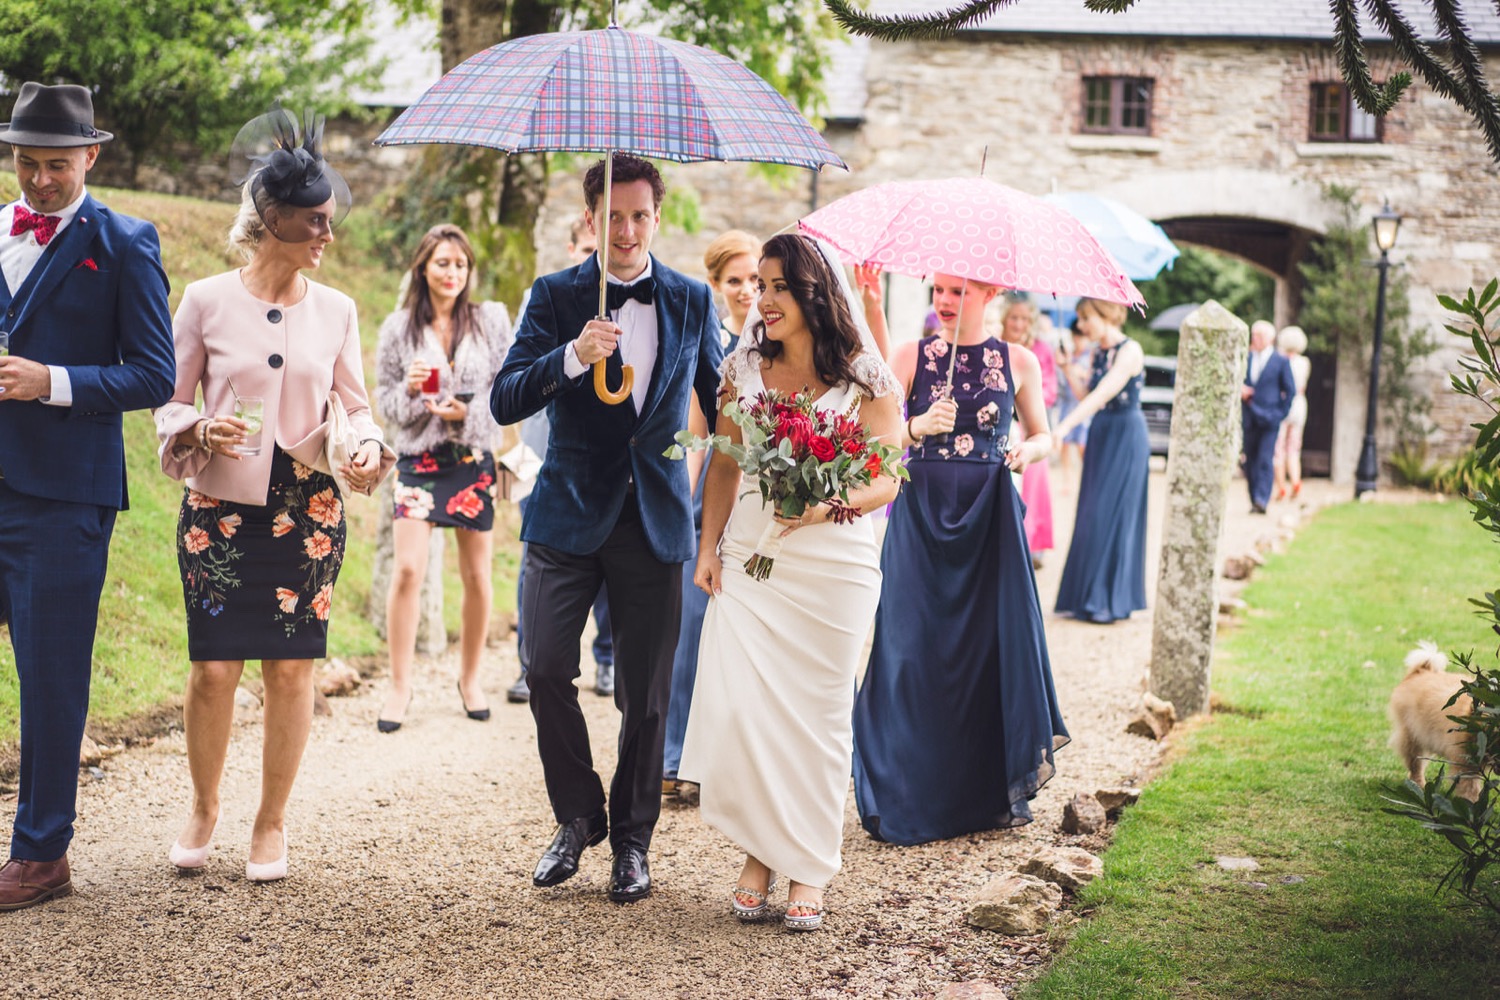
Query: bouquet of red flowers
x=799 y=456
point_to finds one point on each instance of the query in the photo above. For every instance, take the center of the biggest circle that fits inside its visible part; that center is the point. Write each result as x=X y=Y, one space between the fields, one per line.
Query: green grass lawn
x=1291 y=773
x=140 y=655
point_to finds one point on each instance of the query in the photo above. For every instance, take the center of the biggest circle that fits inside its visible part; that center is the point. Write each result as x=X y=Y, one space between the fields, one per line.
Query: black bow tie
x=642 y=291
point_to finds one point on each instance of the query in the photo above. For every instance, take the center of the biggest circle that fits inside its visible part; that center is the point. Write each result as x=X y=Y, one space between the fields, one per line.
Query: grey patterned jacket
x=410 y=428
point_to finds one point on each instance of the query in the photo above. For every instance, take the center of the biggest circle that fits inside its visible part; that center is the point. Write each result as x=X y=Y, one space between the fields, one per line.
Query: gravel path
x=411 y=858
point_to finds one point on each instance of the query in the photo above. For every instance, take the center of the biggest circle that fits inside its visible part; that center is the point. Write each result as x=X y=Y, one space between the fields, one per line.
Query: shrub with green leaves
x=1473 y=828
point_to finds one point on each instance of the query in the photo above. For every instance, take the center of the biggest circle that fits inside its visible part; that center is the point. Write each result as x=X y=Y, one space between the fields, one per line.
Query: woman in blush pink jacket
x=260 y=535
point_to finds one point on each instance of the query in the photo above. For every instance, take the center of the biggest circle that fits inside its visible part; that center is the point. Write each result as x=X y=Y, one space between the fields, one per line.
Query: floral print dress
x=258 y=581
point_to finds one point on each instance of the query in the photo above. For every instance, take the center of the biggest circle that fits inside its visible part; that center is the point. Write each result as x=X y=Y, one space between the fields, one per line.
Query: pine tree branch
x=1416 y=54
x=1465 y=55
x=909 y=27
x=1349 y=50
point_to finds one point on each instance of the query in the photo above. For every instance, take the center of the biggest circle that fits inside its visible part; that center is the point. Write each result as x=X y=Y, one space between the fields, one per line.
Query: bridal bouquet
x=800 y=456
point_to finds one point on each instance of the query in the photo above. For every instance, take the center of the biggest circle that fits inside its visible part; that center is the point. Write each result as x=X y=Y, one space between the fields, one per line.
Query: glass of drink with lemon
x=252 y=410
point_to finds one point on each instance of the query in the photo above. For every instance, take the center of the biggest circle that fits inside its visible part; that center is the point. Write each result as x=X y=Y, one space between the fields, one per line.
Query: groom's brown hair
x=627 y=169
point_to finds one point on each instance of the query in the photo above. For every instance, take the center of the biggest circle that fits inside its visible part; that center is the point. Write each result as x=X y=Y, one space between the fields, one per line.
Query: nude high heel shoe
x=271 y=871
x=190 y=858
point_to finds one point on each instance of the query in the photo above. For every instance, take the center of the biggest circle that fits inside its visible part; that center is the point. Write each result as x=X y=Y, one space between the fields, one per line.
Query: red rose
x=872 y=465
x=853 y=447
x=822 y=448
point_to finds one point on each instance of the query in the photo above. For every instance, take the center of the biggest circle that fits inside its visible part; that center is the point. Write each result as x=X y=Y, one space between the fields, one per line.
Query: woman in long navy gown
x=1104 y=578
x=731 y=261
x=957 y=719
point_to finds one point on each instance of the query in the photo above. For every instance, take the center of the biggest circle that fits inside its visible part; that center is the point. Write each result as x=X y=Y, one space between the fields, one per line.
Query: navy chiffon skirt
x=957 y=719
x=1104 y=578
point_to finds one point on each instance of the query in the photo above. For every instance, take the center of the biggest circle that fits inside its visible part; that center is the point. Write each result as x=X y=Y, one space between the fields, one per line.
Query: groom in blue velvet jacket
x=83 y=306
x=608 y=508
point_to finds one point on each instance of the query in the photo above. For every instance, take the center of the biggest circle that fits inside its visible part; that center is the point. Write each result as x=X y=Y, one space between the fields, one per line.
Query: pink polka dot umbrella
x=972 y=228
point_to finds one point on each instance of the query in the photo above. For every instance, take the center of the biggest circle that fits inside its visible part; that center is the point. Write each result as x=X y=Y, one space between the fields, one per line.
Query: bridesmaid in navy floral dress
x=957 y=719
x=1104 y=578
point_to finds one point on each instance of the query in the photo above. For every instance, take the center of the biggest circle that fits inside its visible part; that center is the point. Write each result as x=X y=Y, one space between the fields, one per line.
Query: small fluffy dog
x=1419 y=713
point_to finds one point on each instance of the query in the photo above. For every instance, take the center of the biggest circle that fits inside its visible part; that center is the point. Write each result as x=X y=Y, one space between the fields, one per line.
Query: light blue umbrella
x=1140 y=245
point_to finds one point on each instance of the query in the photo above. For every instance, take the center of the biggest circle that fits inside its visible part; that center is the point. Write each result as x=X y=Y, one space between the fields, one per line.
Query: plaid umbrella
x=606 y=91
x=612 y=90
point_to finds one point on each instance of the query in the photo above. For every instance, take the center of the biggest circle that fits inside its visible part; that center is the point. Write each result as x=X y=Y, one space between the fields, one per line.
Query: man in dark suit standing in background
x=608 y=508
x=83 y=314
x=1266 y=399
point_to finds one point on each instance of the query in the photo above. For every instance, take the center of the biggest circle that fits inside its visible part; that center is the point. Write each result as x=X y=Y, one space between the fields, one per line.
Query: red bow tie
x=45 y=226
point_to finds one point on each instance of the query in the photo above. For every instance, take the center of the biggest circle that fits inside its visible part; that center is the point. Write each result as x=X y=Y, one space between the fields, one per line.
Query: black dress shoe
x=631 y=878
x=518 y=693
x=560 y=863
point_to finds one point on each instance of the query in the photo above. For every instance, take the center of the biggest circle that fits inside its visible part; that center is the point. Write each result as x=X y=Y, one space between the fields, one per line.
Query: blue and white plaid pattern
x=612 y=89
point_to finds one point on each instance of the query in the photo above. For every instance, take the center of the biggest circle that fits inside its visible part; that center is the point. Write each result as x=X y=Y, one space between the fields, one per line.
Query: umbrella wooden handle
x=601 y=383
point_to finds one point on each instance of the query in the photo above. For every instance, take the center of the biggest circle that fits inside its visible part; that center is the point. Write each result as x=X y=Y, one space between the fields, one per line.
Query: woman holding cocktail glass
x=435 y=352
x=260 y=535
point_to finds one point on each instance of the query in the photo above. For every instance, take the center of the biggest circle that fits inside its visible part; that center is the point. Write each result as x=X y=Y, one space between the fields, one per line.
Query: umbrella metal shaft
x=627 y=372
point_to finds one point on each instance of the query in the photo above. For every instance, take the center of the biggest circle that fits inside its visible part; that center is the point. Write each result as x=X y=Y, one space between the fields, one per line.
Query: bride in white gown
x=769 y=734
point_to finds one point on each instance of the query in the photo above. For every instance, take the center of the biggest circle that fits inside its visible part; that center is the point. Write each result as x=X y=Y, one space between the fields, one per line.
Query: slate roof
x=1257 y=19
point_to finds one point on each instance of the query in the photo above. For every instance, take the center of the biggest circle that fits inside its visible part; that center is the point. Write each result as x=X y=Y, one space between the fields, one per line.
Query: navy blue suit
x=608 y=508
x=1260 y=418
x=96 y=304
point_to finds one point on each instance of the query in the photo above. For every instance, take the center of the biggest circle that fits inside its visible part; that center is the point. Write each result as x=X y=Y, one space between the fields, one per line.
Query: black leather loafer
x=631 y=878
x=560 y=863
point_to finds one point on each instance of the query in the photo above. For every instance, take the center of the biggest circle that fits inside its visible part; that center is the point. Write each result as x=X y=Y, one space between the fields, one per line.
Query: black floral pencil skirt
x=450 y=486
x=258 y=581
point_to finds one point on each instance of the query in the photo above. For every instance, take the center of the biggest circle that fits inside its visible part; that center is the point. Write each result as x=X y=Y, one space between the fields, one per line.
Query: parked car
x=1156 y=401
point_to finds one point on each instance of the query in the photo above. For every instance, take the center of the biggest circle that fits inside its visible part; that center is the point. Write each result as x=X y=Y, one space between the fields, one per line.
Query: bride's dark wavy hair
x=825 y=310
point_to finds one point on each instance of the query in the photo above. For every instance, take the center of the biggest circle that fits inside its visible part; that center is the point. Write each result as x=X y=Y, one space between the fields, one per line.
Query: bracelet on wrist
x=912 y=433
x=203 y=435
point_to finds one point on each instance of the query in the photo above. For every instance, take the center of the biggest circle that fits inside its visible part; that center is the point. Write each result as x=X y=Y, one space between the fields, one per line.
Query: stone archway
x=1268 y=220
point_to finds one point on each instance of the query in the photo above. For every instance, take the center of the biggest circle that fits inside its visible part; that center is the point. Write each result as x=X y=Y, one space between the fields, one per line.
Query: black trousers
x=645 y=600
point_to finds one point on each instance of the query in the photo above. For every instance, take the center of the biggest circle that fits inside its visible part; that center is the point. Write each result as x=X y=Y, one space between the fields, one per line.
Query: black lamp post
x=1367 y=472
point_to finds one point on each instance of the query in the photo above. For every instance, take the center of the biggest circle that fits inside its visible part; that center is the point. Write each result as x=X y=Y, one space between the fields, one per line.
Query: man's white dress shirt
x=639 y=340
x=18 y=257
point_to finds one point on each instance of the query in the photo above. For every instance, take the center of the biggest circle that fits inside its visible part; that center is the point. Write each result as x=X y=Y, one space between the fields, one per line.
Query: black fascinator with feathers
x=285 y=168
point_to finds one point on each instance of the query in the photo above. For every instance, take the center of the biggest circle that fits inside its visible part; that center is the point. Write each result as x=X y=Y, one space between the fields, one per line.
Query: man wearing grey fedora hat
x=85 y=335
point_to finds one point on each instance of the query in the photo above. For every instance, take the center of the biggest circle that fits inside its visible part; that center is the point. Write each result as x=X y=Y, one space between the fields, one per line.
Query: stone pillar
x=1211 y=359
x=432 y=635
